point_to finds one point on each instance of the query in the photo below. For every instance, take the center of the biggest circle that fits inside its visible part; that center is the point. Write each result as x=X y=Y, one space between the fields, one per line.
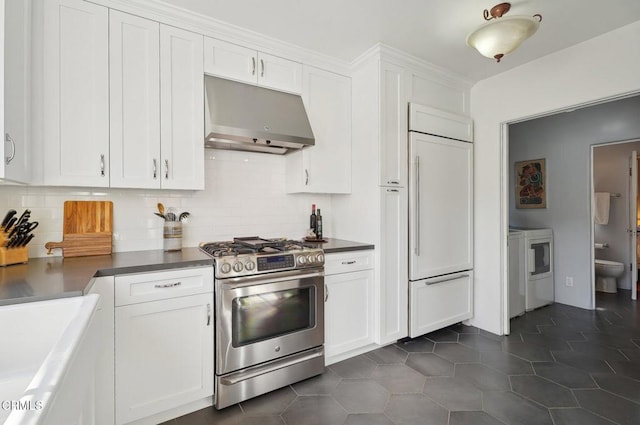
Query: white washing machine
x=537 y=257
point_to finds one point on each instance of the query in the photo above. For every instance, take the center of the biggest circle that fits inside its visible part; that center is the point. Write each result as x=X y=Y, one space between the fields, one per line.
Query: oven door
x=266 y=317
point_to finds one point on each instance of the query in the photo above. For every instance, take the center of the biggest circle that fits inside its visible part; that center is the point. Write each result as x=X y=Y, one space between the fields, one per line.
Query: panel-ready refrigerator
x=440 y=224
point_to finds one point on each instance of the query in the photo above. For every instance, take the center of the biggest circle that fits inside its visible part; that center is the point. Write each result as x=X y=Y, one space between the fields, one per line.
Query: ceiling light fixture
x=501 y=36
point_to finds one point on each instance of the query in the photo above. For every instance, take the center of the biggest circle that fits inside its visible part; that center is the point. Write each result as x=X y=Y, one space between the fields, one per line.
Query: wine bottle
x=313 y=223
x=319 y=225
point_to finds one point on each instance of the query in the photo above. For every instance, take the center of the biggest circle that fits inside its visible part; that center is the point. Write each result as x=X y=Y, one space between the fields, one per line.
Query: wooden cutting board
x=87 y=229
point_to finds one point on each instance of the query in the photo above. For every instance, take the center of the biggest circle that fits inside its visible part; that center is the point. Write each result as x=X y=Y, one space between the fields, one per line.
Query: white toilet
x=606 y=274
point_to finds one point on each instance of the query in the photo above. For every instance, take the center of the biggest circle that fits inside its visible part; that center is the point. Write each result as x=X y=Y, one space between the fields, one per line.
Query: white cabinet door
x=348 y=312
x=279 y=74
x=440 y=302
x=394 y=290
x=182 y=109
x=76 y=93
x=393 y=125
x=17 y=91
x=164 y=355
x=440 y=206
x=326 y=166
x=134 y=50
x=228 y=60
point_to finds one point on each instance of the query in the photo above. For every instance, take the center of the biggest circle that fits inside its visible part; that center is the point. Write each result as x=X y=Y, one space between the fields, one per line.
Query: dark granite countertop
x=57 y=277
x=341 y=245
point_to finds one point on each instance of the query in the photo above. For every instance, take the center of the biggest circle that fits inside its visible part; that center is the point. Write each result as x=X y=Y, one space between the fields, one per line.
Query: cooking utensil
x=184 y=217
x=160 y=215
x=87 y=229
x=8 y=217
x=24 y=217
x=11 y=222
x=160 y=208
x=27 y=240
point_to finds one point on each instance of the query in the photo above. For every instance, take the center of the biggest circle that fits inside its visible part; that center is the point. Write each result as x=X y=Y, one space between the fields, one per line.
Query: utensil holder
x=172 y=233
x=9 y=256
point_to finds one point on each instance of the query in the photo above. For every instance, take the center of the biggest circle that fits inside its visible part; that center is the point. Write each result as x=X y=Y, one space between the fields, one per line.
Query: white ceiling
x=434 y=30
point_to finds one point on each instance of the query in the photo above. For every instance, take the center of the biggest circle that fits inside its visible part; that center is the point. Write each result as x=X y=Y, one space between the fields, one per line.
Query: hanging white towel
x=602 y=201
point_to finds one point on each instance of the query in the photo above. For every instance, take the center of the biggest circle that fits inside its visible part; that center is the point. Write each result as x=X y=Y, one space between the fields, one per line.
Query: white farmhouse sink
x=47 y=361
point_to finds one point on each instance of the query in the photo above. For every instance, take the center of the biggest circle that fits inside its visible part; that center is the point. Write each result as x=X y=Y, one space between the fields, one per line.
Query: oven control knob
x=302 y=259
x=249 y=265
x=237 y=267
x=310 y=258
x=320 y=258
x=225 y=268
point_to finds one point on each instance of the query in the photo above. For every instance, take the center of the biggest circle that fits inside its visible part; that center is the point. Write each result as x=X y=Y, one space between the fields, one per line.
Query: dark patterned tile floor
x=561 y=365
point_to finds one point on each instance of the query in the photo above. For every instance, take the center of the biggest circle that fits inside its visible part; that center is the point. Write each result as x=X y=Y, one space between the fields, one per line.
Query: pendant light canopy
x=502 y=35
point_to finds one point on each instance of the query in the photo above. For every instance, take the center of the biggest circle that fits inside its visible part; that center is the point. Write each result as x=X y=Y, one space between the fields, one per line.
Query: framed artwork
x=531 y=184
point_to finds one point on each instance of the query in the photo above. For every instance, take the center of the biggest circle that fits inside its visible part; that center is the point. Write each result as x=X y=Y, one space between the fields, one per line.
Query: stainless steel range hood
x=249 y=118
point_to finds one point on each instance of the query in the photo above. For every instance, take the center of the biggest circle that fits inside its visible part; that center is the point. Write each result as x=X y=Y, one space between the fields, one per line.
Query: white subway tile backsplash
x=244 y=196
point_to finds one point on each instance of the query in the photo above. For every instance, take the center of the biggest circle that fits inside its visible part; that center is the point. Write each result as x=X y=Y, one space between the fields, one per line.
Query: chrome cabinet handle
x=306 y=177
x=155 y=168
x=9 y=158
x=326 y=292
x=349 y=262
x=262 y=67
x=393 y=182
x=417 y=218
x=393 y=190
x=168 y=285
x=102 y=165
x=253 y=66
x=446 y=279
x=166 y=168
x=208 y=314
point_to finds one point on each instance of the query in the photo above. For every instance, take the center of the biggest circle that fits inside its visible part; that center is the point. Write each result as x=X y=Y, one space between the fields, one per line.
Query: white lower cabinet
x=163 y=348
x=349 y=301
x=440 y=302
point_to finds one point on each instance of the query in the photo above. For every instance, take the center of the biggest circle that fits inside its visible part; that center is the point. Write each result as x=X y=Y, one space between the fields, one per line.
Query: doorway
x=614 y=171
x=565 y=140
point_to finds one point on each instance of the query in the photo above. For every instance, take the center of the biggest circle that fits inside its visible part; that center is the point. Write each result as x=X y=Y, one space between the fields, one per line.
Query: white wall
x=605 y=66
x=565 y=141
x=610 y=165
x=244 y=196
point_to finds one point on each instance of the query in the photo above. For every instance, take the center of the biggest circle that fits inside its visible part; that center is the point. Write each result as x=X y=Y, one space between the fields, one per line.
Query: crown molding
x=381 y=51
x=169 y=14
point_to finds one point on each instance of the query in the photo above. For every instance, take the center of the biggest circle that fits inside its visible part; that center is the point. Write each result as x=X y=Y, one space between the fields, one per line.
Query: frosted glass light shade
x=502 y=36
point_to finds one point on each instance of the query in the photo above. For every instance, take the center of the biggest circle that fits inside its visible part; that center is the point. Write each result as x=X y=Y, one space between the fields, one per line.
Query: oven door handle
x=240 y=282
x=268 y=368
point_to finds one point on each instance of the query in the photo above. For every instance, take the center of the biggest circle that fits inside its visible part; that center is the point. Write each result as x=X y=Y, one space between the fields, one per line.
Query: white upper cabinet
x=156 y=73
x=76 y=93
x=17 y=91
x=182 y=109
x=393 y=125
x=228 y=60
x=134 y=49
x=326 y=166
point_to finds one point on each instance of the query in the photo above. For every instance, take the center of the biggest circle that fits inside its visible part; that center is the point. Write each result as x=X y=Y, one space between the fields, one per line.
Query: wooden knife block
x=10 y=256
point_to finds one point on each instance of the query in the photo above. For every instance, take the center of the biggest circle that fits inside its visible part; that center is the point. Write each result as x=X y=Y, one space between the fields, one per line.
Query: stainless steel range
x=269 y=315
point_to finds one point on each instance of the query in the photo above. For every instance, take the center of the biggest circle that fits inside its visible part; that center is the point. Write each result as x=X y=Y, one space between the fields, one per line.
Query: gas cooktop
x=254 y=255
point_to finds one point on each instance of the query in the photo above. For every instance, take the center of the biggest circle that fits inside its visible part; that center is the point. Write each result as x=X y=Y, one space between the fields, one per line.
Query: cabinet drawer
x=143 y=287
x=345 y=262
x=439 y=302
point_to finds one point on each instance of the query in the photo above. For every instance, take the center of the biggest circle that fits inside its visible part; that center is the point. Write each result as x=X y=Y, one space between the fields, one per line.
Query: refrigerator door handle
x=416 y=221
